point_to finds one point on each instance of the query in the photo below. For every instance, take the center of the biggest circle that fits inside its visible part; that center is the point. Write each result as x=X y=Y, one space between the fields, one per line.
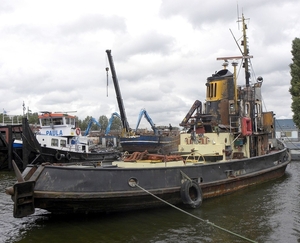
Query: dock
x=8 y=134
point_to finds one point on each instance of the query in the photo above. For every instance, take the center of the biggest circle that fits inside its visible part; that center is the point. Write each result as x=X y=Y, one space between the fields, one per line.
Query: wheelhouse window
x=45 y=122
x=54 y=142
x=257 y=109
x=63 y=143
x=57 y=121
x=247 y=109
x=231 y=107
x=70 y=121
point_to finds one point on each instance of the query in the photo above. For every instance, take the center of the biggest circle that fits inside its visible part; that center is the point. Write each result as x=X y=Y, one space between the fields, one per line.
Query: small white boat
x=59 y=139
x=58 y=131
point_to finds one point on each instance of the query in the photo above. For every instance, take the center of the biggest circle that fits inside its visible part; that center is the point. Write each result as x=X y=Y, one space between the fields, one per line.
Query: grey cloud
x=6 y=6
x=150 y=42
x=94 y=22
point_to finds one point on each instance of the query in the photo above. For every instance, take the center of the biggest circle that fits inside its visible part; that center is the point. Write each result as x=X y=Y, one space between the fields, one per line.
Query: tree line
x=295 y=81
x=82 y=124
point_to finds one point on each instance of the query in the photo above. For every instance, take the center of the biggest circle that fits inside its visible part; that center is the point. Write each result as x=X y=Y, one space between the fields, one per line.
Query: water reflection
x=266 y=213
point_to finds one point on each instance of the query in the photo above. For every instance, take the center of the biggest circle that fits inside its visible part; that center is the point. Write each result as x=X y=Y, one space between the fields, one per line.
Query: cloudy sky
x=52 y=53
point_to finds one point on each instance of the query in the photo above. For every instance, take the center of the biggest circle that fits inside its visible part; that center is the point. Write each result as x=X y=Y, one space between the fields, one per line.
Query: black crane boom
x=118 y=92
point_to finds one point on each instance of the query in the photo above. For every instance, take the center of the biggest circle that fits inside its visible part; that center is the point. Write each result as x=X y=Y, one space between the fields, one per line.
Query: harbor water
x=269 y=212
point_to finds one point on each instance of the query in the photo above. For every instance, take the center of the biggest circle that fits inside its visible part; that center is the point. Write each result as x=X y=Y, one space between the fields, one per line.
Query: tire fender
x=191 y=194
x=58 y=156
x=68 y=156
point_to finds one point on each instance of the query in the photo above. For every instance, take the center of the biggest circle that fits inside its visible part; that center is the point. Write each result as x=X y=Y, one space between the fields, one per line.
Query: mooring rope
x=185 y=175
x=203 y=220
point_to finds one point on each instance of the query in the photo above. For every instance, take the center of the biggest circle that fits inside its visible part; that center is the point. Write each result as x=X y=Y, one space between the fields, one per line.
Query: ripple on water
x=12 y=229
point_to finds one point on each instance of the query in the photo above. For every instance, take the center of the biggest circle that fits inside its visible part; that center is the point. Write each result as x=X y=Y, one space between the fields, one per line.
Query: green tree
x=33 y=118
x=103 y=120
x=90 y=121
x=295 y=81
x=116 y=124
x=17 y=119
x=84 y=123
x=95 y=127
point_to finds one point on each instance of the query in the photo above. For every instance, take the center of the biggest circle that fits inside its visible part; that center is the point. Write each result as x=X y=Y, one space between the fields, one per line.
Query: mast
x=118 y=92
x=245 y=52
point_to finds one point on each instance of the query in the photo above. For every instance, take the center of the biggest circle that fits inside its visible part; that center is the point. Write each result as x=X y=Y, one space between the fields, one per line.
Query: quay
x=8 y=152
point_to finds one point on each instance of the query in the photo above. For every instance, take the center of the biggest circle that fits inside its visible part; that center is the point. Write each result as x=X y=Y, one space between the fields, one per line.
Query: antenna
x=236 y=42
x=238 y=15
x=65 y=111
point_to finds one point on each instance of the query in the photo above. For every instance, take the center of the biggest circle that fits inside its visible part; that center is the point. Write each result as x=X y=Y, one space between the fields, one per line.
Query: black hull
x=55 y=156
x=77 y=189
x=98 y=204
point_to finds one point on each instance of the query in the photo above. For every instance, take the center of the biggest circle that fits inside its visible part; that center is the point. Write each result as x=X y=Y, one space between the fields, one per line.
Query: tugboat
x=59 y=140
x=227 y=146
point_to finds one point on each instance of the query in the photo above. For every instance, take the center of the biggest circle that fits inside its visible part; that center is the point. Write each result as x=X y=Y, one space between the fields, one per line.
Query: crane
x=146 y=115
x=125 y=125
x=115 y=114
x=91 y=122
x=196 y=106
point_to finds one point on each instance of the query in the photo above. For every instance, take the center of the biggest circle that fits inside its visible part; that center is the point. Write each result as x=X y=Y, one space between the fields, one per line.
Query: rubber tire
x=58 y=156
x=185 y=192
x=68 y=156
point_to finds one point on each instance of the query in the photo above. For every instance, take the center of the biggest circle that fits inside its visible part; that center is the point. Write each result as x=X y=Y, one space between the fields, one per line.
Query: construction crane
x=125 y=125
x=144 y=113
x=91 y=122
x=115 y=114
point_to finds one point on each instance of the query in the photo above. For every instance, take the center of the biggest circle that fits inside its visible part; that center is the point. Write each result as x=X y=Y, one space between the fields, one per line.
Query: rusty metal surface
x=235 y=184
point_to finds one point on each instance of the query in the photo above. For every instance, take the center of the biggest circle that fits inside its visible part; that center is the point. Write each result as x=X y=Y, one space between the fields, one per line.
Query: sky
x=53 y=54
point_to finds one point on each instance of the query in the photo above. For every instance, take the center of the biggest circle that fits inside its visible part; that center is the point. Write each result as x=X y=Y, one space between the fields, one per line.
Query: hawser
x=228 y=144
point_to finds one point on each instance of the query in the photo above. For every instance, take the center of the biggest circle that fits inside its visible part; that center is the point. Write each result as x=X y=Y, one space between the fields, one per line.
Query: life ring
x=246 y=126
x=58 y=156
x=68 y=156
x=191 y=194
x=78 y=131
